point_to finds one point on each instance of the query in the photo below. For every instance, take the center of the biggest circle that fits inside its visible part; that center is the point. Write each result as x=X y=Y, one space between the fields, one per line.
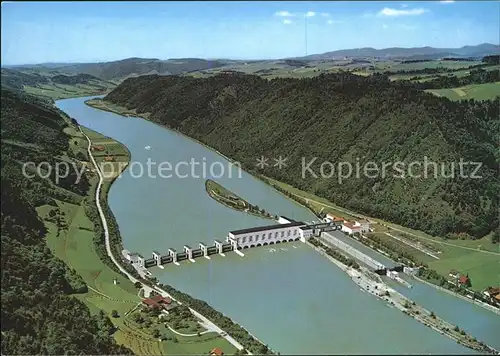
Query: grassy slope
x=63 y=91
x=487 y=91
x=75 y=247
x=483 y=267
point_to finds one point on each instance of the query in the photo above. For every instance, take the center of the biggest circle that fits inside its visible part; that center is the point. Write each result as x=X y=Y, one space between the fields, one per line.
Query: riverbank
x=129 y=123
x=231 y=200
x=451 y=250
x=373 y=284
x=476 y=302
x=101 y=104
x=251 y=342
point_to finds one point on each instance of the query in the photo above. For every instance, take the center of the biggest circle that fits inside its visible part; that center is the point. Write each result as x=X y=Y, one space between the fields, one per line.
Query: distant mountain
x=132 y=67
x=480 y=50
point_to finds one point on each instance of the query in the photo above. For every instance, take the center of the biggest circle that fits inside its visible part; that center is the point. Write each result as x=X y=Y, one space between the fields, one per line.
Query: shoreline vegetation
x=386 y=248
x=302 y=198
x=469 y=342
x=227 y=198
x=365 y=279
x=106 y=105
x=239 y=333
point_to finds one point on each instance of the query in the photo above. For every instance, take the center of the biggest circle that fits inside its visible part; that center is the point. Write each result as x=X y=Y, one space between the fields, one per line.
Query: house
x=491 y=292
x=331 y=218
x=454 y=274
x=159 y=302
x=98 y=148
x=363 y=224
x=464 y=281
x=217 y=352
x=109 y=159
x=350 y=228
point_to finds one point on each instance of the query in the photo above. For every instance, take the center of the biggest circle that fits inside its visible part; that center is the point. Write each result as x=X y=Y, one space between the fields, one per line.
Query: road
x=147 y=289
x=398 y=229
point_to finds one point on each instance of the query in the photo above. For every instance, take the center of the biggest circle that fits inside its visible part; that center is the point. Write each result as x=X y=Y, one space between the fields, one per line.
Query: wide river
x=292 y=298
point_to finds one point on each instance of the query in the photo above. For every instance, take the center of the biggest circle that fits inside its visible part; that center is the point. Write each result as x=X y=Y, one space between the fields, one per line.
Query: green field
x=62 y=91
x=487 y=91
x=73 y=242
x=479 y=258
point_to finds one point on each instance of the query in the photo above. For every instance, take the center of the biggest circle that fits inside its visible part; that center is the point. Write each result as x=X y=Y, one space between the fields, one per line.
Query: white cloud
x=385 y=26
x=284 y=14
x=310 y=14
x=447 y=1
x=287 y=22
x=386 y=11
x=325 y=14
x=404 y=5
x=331 y=22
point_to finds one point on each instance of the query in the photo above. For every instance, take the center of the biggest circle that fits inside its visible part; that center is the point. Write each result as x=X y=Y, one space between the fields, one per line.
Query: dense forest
x=39 y=313
x=343 y=118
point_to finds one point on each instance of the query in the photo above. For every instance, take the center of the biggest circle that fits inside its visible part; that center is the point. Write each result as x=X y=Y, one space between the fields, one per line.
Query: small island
x=231 y=200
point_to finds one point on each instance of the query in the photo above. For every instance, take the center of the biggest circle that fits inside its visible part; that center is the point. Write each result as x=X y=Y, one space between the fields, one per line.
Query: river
x=291 y=297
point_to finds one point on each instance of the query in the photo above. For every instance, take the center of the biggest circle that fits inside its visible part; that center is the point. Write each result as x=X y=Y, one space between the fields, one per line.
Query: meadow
x=487 y=91
x=71 y=238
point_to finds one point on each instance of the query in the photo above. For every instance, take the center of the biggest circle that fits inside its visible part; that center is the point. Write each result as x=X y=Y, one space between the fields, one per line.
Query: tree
x=138 y=318
x=138 y=285
x=114 y=313
x=433 y=316
x=495 y=238
x=155 y=333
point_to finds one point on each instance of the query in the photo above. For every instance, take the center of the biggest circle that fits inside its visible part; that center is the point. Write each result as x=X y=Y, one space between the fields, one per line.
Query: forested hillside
x=342 y=118
x=39 y=315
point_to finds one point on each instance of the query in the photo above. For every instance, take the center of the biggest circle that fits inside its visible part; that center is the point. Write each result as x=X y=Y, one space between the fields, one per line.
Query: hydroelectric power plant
x=287 y=230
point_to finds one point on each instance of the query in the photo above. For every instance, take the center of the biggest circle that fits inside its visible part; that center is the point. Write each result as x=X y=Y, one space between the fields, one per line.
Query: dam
x=287 y=230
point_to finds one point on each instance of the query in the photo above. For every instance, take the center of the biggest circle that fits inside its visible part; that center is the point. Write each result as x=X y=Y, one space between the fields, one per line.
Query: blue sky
x=36 y=32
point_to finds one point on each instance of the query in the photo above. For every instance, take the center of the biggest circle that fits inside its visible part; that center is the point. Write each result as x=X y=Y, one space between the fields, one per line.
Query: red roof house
x=157 y=301
x=216 y=352
x=464 y=280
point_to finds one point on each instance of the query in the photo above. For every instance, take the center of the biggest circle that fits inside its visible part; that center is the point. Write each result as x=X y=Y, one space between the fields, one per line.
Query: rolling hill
x=130 y=67
x=53 y=84
x=480 y=50
x=341 y=118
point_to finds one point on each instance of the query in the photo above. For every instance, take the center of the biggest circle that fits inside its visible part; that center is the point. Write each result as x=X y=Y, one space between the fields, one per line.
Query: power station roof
x=267 y=228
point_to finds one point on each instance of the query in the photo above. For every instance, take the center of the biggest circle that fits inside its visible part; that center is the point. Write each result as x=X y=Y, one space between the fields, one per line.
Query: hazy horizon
x=83 y=32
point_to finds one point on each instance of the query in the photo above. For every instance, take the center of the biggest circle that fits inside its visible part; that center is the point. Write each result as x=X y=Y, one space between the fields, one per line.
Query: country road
x=398 y=229
x=147 y=289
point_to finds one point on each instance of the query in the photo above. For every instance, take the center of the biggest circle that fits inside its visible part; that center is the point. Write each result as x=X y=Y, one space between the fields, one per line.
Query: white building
x=351 y=228
x=364 y=225
x=130 y=256
x=266 y=235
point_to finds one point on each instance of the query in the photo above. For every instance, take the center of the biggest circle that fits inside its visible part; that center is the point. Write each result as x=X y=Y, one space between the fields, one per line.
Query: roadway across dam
x=234 y=243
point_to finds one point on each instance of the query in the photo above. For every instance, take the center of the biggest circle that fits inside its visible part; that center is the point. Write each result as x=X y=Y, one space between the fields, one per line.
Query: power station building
x=266 y=235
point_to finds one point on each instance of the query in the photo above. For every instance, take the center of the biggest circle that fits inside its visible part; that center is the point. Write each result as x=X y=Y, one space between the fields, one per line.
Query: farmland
x=487 y=91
